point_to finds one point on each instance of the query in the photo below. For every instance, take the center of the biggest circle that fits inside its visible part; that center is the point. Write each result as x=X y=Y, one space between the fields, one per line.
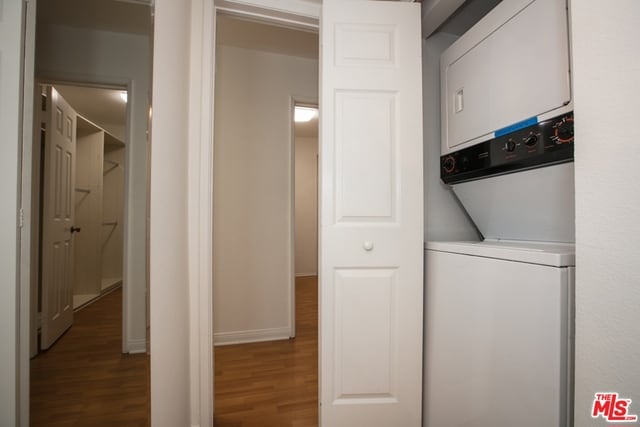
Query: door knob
x=368 y=246
x=74 y=229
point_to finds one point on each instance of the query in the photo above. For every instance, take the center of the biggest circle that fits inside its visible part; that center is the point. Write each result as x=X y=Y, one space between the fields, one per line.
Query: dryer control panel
x=527 y=145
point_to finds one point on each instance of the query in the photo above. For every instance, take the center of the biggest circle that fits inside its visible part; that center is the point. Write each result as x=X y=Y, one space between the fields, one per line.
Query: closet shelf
x=83 y=190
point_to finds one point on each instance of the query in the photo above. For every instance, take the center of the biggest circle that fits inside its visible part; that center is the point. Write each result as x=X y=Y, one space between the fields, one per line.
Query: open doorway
x=265 y=225
x=103 y=47
x=78 y=238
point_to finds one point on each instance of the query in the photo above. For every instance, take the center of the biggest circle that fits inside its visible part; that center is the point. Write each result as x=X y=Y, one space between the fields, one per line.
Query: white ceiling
x=100 y=106
x=467 y=16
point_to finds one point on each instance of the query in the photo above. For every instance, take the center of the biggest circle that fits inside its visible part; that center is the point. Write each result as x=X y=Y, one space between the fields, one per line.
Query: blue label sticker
x=516 y=126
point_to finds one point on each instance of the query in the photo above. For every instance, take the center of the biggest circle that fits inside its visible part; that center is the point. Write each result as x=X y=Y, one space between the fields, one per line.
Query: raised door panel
x=58 y=218
x=371 y=215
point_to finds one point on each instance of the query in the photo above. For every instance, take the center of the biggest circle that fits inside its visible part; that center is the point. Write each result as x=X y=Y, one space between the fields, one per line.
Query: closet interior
x=99 y=187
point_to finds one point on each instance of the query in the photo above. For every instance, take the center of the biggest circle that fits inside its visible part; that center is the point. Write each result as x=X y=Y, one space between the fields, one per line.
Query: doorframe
x=293 y=102
x=292 y=13
x=27 y=279
x=35 y=188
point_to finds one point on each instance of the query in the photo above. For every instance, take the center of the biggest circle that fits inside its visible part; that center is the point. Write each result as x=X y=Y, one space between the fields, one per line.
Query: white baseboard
x=137 y=346
x=306 y=274
x=257 y=335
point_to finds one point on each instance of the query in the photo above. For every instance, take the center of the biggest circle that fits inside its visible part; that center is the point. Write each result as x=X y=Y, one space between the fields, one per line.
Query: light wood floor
x=84 y=380
x=272 y=384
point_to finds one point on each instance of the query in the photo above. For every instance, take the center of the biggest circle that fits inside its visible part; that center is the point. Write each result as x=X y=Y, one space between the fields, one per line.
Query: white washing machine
x=499 y=334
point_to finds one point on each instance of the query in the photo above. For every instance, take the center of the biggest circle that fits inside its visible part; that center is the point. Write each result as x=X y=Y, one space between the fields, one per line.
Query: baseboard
x=306 y=274
x=137 y=346
x=257 y=335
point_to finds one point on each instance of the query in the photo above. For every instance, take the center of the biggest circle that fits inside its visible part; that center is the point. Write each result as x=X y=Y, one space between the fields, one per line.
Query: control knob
x=510 y=145
x=449 y=164
x=563 y=131
x=531 y=140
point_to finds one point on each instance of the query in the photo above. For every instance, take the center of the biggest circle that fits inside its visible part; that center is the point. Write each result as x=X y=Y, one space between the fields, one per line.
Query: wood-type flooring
x=272 y=384
x=84 y=380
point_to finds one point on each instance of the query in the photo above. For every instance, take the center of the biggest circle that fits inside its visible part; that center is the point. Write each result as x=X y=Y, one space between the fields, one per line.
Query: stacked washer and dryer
x=499 y=318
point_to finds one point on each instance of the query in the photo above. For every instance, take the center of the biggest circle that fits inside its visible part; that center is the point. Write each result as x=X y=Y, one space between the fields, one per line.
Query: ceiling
x=126 y=16
x=467 y=15
x=100 y=106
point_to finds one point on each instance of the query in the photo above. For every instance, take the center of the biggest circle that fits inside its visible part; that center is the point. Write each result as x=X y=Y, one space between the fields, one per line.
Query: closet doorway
x=78 y=237
x=80 y=228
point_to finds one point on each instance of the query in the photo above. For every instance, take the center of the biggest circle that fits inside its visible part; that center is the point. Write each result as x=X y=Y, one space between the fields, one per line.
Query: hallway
x=84 y=380
x=272 y=384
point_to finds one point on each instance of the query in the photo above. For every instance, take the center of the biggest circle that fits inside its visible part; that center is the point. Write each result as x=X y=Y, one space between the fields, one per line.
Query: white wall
x=112 y=210
x=253 y=173
x=306 y=200
x=119 y=130
x=445 y=218
x=606 y=66
x=169 y=256
x=88 y=213
x=10 y=111
x=83 y=55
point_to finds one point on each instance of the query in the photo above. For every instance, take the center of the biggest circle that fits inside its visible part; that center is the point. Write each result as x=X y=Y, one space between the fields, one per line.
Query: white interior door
x=57 y=218
x=371 y=261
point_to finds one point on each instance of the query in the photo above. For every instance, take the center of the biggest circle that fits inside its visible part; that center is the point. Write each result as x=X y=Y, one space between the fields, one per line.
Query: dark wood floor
x=84 y=380
x=272 y=384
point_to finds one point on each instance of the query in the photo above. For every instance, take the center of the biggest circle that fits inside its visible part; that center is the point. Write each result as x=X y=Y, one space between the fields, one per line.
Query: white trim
x=288 y=13
x=294 y=8
x=256 y=335
x=306 y=274
x=26 y=166
x=137 y=346
x=293 y=101
x=291 y=256
x=200 y=184
x=203 y=47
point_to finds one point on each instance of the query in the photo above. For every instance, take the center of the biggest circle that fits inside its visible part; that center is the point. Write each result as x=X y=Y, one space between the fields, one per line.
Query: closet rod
x=112 y=162
x=83 y=190
x=110 y=223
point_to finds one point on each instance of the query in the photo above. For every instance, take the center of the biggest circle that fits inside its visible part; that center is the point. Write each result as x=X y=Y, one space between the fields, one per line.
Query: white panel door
x=371 y=272
x=57 y=218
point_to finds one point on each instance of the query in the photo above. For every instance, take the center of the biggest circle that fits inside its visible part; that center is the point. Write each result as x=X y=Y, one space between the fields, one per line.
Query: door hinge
x=21 y=218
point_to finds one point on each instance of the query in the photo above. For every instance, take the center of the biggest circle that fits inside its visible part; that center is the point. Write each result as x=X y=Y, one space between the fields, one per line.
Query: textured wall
x=606 y=46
